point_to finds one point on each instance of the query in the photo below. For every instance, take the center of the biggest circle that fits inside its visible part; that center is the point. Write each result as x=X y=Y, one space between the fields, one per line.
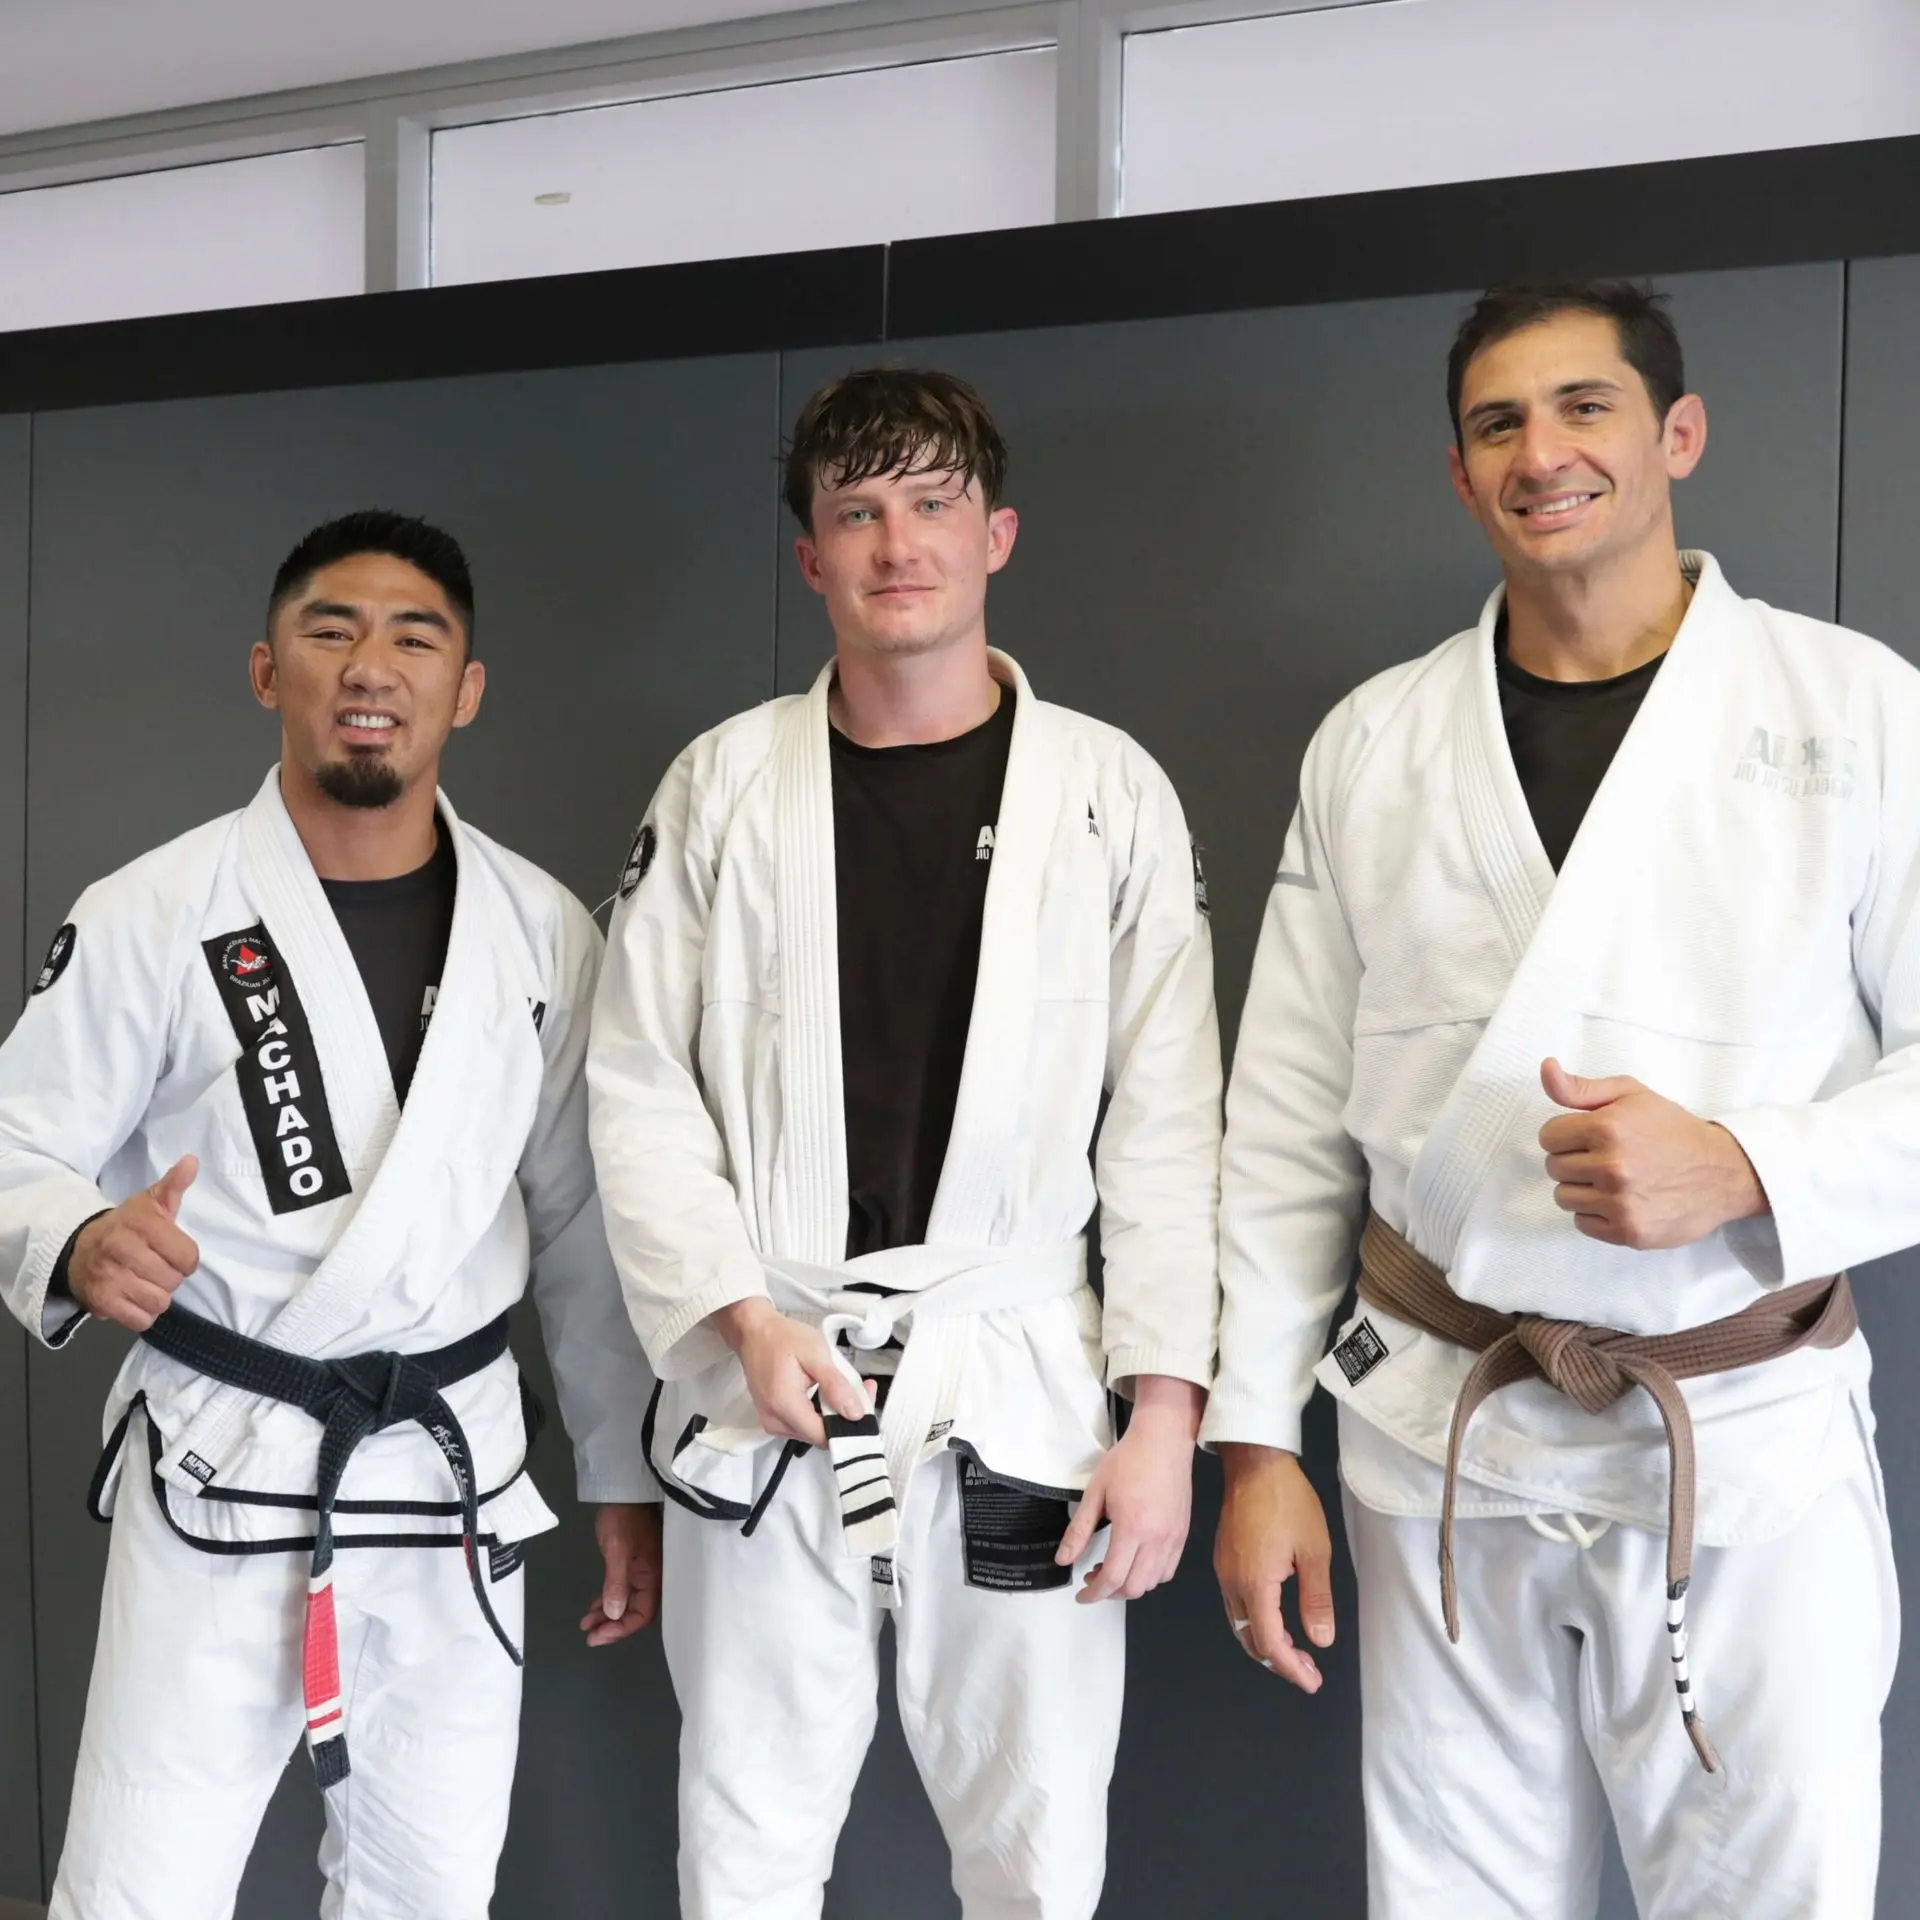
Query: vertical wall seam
x=886 y=291
x=26 y=1354
x=1840 y=443
x=773 y=578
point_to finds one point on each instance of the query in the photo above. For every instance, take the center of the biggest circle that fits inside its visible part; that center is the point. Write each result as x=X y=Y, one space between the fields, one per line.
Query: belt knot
x=1571 y=1358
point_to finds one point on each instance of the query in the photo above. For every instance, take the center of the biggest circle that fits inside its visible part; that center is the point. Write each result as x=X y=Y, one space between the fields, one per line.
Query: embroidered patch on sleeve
x=58 y=955
x=646 y=843
x=1360 y=1352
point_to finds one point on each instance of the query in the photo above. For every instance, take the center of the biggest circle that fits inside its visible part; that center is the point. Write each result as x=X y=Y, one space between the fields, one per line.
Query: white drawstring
x=1577 y=1534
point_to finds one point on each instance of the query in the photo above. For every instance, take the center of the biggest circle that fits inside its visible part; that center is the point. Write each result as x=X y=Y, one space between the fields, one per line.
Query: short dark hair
x=375 y=530
x=884 y=420
x=1649 y=342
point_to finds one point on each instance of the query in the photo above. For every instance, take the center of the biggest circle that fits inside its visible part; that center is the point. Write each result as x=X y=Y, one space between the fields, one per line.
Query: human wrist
x=1167 y=1406
x=1744 y=1196
x=736 y=1322
x=1245 y=1460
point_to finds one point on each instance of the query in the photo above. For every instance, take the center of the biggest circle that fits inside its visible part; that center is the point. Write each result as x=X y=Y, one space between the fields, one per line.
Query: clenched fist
x=127 y=1263
x=1637 y=1170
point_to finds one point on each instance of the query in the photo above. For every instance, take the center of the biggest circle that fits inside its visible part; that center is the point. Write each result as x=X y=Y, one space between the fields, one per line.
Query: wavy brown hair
x=892 y=420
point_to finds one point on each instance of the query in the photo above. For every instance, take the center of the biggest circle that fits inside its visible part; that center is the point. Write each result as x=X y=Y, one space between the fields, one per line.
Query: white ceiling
x=63 y=61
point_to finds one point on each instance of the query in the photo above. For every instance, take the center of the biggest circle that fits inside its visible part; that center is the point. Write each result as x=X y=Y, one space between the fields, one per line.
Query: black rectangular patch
x=504 y=1558
x=200 y=1470
x=1010 y=1535
x=1360 y=1352
x=281 y=1086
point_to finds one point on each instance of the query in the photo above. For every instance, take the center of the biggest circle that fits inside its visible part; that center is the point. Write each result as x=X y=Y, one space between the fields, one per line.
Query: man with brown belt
x=1635 y=826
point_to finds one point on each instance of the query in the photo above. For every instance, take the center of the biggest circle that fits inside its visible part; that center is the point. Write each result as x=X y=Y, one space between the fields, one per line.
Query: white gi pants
x=1010 y=1703
x=195 y=1706
x=1490 y=1768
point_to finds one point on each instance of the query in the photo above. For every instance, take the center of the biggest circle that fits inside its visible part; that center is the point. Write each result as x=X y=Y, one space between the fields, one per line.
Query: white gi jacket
x=1737 y=925
x=718 y=1117
x=330 y=1221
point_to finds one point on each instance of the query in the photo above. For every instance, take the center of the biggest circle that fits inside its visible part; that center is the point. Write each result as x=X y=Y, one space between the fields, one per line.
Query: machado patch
x=646 y=843
x=1360 y=1352
x=279 y=1072
x=55 y=964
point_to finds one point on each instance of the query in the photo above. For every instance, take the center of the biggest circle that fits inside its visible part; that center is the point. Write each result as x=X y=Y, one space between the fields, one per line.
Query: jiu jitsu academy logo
x=646 y=843
x=1359 y=1353
x=1817 y=767
x=281 y=1087
x=55 y=964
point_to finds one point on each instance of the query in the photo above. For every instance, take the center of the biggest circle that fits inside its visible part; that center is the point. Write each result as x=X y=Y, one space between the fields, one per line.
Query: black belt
x=363 y=1394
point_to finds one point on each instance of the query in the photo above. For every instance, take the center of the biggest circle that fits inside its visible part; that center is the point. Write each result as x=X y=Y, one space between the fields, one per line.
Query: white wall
x=1410 y=92
x=944 y=147
x=290 y=226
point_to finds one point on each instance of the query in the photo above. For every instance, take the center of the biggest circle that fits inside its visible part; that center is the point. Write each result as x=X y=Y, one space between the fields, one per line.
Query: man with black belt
x=297 y=1097
x=1590 y=985
x=880 y=951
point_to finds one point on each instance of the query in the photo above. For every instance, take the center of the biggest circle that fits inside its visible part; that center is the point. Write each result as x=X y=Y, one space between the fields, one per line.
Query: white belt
x=935 y=1295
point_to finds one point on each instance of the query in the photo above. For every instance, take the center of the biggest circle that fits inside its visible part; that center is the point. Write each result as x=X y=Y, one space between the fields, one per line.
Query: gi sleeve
x=1157 y=1160
x=1292 y=1181
x=601 y=1374
x=673 y=1220
x=77 y=1075
x=1842 y=1174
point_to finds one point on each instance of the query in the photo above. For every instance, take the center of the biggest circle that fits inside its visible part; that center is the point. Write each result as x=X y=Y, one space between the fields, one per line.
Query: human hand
x=629 y=1597
x=126 y=1264
x=785 y=1361
x=1637 y=1170
x=1273 y=1529
x=1143 y=1490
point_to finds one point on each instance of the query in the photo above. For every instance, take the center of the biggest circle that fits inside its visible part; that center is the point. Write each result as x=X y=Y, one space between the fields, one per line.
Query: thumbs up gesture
x=1637 y=1170
x=127 y=1263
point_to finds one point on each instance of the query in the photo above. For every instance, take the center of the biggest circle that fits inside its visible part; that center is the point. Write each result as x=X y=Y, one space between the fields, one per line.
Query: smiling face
x=902 y=560
x=1562 y=457
x=367 y=668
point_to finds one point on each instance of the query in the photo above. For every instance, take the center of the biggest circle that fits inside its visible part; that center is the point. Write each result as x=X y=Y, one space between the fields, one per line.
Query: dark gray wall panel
x=1877 y=592
x=1227 y=523
x=618 y=521
x=1877 y=596
x=19 y=1787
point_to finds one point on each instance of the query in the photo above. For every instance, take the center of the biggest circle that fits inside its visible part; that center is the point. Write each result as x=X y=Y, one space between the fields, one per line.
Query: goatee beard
x=359 y=782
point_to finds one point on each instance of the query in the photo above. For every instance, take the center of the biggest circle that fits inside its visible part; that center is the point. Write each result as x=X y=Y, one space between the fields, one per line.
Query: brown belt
x=1595 y=1366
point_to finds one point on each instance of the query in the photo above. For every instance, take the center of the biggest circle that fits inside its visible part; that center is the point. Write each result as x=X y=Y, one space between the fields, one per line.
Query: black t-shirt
x=398 y=931
x=1563 y=735
x=913 y=846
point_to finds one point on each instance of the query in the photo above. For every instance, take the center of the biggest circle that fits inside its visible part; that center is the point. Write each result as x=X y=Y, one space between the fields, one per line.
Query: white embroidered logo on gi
x=1360 y=1352
x=1809 y=767
x=646 y=843
x=983 y=847
x=58 y=955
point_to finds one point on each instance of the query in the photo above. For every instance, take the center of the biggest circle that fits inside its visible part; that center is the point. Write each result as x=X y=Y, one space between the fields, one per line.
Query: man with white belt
x=1590 y=986
x=881 y=949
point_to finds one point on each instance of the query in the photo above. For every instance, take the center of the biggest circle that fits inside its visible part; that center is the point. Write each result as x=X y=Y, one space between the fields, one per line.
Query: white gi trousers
x=195 y=1707
x=1490 y=1768
x=1010 y=1702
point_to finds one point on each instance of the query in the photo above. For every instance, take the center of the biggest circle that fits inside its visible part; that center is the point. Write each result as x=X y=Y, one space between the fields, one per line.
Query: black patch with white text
x=646 y=843
x=1200 y=898
x=504 y=1558
x=199 y=1468
x=1360 y=1352
x=1010 y=1535
x=279 y=1072
x=539 y=1009
x=58 y=955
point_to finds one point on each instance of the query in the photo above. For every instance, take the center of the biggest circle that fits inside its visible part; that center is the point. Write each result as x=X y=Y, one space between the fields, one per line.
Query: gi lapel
x=1551 y=925
x=813 y=1131
x=977 y=1173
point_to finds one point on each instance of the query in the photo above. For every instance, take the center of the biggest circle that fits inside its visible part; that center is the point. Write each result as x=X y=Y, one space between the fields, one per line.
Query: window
x=942 y=147
x=1400 y=93
x=289 y=226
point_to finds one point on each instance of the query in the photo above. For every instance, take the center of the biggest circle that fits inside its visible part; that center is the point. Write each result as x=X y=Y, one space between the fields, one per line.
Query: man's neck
x=912 y=701
x=360 y=843
x=1598 y=624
